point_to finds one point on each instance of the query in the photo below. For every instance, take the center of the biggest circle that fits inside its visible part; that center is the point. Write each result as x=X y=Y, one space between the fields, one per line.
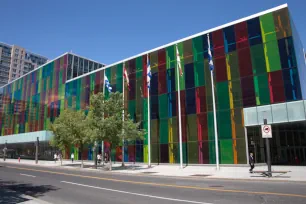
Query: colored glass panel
x=222 y=96
x=267 y=28
x=254 y=31
x=241 y=32
x=287 y=53
x=276 y=86
x=292 y=85
x=244 y=60
x=262 y=89
x=272 y=56
x=229 y=39
x=282 y=23
x=248 y=91
x=258 y=59
x=220 y=67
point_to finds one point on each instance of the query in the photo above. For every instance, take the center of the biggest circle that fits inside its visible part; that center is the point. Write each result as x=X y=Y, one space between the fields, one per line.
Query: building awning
x=26 y=137
x=275 y=113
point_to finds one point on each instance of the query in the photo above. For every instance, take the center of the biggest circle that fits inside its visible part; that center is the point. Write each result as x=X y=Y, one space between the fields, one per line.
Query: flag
x=210 y=61
x=149 y=75
x=107 y=84
x=126 y=76
x=178 y=59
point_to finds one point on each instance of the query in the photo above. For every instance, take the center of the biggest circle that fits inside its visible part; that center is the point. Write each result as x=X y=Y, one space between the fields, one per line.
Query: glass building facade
x=255 y=62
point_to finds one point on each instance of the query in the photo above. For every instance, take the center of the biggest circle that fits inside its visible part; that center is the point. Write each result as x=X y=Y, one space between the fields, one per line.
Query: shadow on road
x=13 y=192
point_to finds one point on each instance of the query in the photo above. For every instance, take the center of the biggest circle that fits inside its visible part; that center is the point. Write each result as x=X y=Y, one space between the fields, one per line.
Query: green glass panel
x=119 y=78
x=163 y=131
x=226 y=150
x=154 y=61
x=155 y=153
x=197 y=46
x=193 y=153
x=131 y=109
x=222 y=96
x=173 y=129
x=241 y=149
x=139 y=63
x=272 y=56
x=192 y=129
x=258 y=59
x=163 y=105
x=170 y=57
x=199 y=73
x=224 y=124
x=211 y=137
x=262 y=89
x=154 y=131
x=232 y=65
x=237 y=95
x=267 y=27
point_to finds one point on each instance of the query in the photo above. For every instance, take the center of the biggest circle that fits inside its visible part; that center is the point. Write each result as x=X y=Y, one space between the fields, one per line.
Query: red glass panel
x=162 y=79
x=162 y=57
x=221 y=72
x=218 y=43
x=245 y=63
x=201 y=99
x=144 y=75
x=276 y=86
x=241 y=31
x=131 y=153
x=183 y=102
x=248 y=91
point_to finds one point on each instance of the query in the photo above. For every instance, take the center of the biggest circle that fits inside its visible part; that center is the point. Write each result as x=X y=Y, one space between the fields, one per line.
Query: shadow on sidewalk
x=13 y=192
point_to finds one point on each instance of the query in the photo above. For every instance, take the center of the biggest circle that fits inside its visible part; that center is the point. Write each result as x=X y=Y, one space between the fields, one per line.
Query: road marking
x=28 y=175
x=164 y=185
x=137 y=194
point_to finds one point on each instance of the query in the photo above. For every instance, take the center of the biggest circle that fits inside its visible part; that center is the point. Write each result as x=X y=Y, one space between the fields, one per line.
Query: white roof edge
x=187 y=38
x=86 y=58
x=48 y=63
x=6 y=44
x=35 y=69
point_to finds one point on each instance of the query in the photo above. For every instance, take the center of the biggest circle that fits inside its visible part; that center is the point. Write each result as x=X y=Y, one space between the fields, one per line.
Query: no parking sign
x=266 y=131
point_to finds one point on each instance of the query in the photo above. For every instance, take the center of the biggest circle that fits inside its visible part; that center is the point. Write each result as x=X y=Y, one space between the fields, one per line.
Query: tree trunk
x=82 y=163
x=110 y=157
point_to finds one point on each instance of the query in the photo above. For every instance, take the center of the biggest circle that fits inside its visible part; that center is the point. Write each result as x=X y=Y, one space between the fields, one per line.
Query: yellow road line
x=163 y=185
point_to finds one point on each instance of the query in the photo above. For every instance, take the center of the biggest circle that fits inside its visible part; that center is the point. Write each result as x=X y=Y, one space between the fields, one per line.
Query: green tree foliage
x=106 y=122
x=70 y=128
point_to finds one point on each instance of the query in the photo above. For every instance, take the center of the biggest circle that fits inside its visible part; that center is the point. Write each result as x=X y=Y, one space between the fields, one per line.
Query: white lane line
x=137 y=194
x=28 y=175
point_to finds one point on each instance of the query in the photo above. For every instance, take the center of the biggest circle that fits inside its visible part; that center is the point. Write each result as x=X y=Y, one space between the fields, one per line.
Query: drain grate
x=149 y=172
x=200 y=175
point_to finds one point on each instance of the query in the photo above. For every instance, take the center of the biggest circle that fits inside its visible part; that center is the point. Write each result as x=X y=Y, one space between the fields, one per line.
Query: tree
x=71 y=127
x=105 y=117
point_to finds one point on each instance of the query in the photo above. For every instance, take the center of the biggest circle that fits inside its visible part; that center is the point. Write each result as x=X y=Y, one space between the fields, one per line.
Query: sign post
x=36 y=150
x=266 y=133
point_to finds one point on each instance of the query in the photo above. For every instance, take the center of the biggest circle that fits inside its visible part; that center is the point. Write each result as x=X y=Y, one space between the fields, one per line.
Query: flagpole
x=214 y=110
x=123 y=116
x=103 y=152
x=149 y=125
x=179 y=110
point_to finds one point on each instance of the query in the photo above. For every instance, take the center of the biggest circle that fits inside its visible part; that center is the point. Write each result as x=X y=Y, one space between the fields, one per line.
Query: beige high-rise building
x=16 y=61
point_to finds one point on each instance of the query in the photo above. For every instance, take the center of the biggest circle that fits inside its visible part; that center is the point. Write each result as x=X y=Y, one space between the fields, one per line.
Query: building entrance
x=288 y=145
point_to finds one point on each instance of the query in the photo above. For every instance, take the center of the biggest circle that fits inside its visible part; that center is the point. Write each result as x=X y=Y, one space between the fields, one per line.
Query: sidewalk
x=298 y=173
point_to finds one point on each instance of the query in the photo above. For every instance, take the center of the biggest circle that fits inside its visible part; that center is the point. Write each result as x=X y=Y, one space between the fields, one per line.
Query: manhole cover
x=149 y=172
x=216 y=186
x=201 y=175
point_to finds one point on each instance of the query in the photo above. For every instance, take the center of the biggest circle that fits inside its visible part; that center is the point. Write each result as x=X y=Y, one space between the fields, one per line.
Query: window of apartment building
x=15 y=65
x=16 y=50
x=15 y=60
x=13 y=75
x=14 y=70
x=16 y=55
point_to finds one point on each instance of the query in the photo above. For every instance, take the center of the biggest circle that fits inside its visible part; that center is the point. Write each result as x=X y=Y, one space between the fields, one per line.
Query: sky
x=110 y=31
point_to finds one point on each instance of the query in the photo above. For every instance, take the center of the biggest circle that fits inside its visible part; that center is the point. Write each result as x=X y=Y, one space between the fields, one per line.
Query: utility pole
x=36 y=152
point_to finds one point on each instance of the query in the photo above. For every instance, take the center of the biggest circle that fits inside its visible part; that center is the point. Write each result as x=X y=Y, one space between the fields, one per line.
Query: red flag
x=126 y=76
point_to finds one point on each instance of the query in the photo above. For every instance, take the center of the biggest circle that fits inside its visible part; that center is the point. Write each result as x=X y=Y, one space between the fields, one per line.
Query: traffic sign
x=266 y=131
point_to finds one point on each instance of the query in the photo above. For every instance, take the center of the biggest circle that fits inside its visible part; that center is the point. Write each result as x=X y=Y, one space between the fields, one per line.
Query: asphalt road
x=58 y=185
